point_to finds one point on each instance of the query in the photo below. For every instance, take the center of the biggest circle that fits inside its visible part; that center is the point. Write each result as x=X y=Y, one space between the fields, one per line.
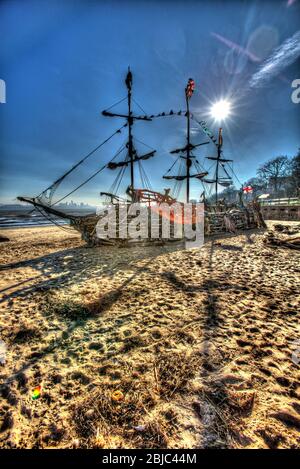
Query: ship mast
x=223 y=181
x=128 y=82
x=188 y=159
x=218 y=162
x=187 y=149
x=130 y=118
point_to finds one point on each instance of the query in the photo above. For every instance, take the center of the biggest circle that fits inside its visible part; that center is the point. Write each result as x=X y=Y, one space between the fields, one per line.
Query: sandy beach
x=148 y=347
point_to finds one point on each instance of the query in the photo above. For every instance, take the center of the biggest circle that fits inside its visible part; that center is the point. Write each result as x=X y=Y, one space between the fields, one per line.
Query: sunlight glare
x=220 y=110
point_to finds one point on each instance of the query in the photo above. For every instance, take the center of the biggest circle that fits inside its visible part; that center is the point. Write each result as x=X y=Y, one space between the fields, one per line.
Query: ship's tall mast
x=217 y=166
x=223 y=181
x=189 y=147
x=132 y=154
x=188 y=159
x=128 y=82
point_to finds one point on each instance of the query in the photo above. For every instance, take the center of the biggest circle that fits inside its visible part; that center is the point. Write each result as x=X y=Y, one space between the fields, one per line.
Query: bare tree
x=295 y=174
x=274 y=173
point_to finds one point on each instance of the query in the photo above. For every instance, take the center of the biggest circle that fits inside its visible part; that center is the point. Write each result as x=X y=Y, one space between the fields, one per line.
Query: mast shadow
x=213 y=399
x=213 y=393
x=71 y=266
x=98 y=308
x=38 y=263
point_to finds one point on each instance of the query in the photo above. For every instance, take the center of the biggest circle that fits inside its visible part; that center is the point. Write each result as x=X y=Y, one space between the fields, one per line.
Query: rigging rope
x=59 y=180
x=121 y=100
x=202 y=123
x=87 y=180
x=173 y=165
x=145 y=144
x=52 y=220
x=144 y=178
x=147 y=179
x=123 y=169
x=118 y=178
x=81 y=185
x=233 y=173
x=200 y=168
x=141 y=175
x=139 y=106
x=225 y=170
x=178 y=184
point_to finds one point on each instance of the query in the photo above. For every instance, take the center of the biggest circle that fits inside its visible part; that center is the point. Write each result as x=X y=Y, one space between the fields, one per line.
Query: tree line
x=279 y=177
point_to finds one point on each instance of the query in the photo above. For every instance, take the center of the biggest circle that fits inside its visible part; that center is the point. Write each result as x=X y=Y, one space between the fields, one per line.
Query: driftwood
x=287 y=229
x=291 y=242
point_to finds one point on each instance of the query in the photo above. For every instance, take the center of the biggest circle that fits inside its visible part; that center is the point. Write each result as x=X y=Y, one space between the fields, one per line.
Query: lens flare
x=220 y=110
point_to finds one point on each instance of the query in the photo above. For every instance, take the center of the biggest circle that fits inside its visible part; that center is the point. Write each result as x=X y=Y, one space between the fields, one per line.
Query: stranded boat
x=219 y=216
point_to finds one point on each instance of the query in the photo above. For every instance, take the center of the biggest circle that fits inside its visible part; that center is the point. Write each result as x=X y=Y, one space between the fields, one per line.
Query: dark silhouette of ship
x=219 y=216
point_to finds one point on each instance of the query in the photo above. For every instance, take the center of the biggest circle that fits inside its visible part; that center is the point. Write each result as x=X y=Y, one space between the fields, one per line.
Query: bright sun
x=220 y=110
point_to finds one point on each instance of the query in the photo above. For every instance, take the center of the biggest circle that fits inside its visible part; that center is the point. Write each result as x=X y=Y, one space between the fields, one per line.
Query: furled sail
x=181 y=178
x=113 y=165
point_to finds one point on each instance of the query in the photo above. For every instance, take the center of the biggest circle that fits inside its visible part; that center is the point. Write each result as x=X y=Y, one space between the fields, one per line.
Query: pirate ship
x=219 y=216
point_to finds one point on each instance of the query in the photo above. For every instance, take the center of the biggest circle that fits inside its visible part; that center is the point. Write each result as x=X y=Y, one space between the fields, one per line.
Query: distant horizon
x=61 y=204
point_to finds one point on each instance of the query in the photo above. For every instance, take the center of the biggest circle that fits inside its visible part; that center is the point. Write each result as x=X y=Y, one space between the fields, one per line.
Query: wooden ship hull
x=220 y=223
x=215 y=223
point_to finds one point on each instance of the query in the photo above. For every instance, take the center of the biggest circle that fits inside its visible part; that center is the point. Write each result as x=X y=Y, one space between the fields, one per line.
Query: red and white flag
x=247 y=189
x=190 y=88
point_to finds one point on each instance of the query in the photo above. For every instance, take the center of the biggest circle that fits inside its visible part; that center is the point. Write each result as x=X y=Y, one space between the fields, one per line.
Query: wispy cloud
x=290 y=3
x=236 y=47
x=282 y=57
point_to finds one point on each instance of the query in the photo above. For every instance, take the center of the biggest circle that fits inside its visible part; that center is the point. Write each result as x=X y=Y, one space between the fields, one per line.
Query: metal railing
x=284 y=201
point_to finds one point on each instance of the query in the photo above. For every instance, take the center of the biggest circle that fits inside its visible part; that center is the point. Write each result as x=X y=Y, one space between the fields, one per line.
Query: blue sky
x=65 y=61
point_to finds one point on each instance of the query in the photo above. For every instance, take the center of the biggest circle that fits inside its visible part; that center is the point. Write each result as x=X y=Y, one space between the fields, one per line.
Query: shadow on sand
x=71 y=266
x=78 y=265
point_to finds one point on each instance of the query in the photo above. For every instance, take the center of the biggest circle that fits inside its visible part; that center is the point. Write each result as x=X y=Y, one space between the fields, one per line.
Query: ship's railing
x=283 y=201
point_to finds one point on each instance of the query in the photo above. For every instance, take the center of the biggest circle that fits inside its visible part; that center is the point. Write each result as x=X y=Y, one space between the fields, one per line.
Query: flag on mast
x=190 y=88
x=247 y=189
